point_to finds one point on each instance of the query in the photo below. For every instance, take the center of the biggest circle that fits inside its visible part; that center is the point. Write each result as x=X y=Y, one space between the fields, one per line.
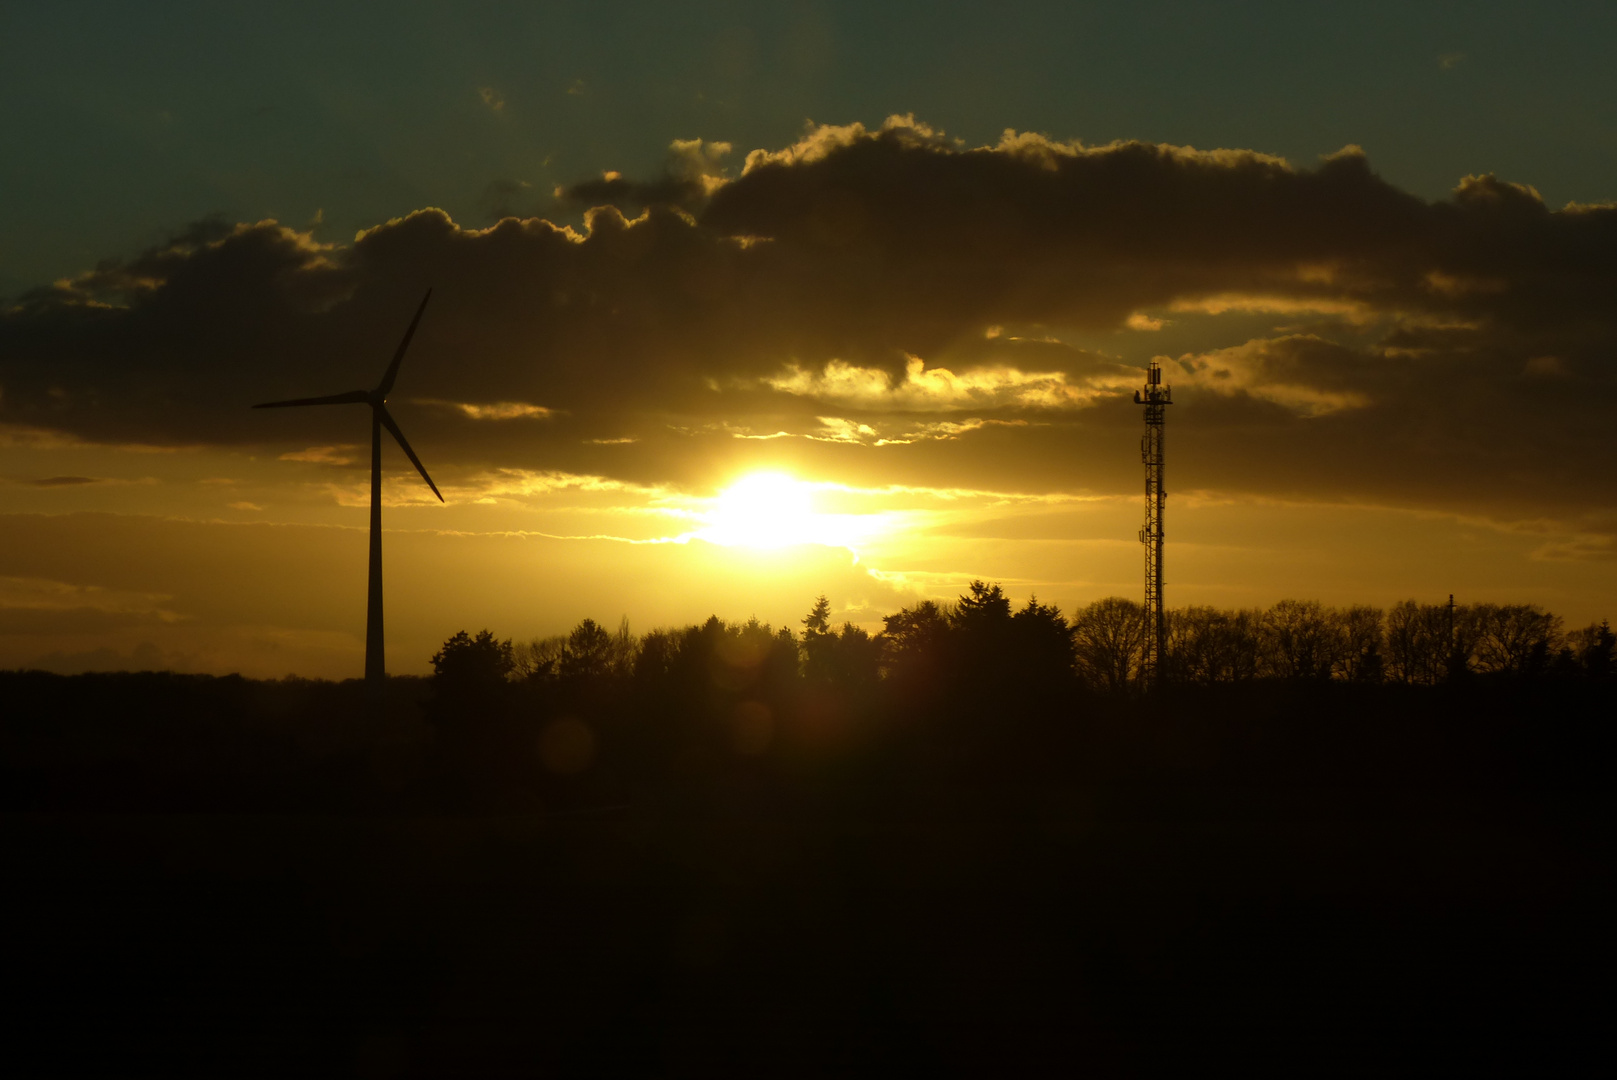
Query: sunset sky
x=734 y=305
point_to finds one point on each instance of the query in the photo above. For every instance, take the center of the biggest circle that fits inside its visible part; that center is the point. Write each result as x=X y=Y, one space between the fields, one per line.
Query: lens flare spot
x=567 y=746
x=754 y=724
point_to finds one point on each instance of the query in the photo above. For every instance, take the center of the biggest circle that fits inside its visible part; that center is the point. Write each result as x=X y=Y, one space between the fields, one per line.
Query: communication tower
x=1156 y=398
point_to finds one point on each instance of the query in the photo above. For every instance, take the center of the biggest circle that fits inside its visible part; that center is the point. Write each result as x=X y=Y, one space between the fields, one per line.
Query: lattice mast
x=1156 y=398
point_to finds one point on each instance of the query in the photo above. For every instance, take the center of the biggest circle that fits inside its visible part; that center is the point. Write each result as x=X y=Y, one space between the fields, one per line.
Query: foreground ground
x=240 y=879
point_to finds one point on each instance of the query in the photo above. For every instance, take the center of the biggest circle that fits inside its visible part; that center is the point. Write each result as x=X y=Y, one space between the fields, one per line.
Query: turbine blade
x=385 y=387
x=353 y=397
x=387 y=422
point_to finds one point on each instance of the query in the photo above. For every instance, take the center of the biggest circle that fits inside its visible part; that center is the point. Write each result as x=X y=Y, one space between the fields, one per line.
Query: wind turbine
x=375 y=661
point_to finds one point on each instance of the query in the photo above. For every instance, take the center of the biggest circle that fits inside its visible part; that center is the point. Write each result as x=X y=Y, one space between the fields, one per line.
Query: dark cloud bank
x=1372 y=345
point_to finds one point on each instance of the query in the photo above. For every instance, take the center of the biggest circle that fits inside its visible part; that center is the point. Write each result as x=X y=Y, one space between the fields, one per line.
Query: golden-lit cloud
x=903 y=432
x=1296 y=372
x=324 y=455
x=1351 y=311
x=44 y=595
x=937 y=389
x=883 y=305
x=693 y=170
x=497 y=410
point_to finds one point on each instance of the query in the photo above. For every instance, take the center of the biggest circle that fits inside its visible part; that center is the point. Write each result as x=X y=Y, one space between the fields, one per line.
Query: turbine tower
x=1155 y=397
x=375 y=660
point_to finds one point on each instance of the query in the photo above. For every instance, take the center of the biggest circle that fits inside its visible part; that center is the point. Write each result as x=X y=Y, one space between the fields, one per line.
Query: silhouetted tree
x=711 y=667
x=1361 y=659
x=472 y=663
x=819 y=643
x=1208 y=645
x=818 y=620
x=1465 y=622
x=1107 y=638
x=1041 y=640
x=914 y=641
x=857 y=658
x=1368 y=667
x=589 y=653
x=1592 y=646
x=654 y=662
x=538 y=659
x=1301 y=640
x=849 y=657
x=1515 y=638
x=980 y=624
x=984 y=610
x=1417 y=642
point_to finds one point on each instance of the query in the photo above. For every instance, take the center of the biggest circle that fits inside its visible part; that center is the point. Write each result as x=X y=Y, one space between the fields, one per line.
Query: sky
x=738 y=304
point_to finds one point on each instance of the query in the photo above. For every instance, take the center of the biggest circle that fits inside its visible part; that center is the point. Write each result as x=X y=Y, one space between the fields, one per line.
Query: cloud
x=1300 y=372
x=1330 y=329
x=496 y=410
x=693 y=172
x=491 y=98
x=64 y=481
x=84 y=481
x=32 y=605
x=836 y=429
x=323 y=455
x=923 y=389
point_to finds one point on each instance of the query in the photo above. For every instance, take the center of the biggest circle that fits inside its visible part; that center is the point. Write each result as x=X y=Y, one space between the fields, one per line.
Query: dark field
x=235 y=878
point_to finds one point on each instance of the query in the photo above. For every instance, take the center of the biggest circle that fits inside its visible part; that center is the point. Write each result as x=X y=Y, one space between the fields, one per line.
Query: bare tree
x=1518 y=638
x=537 y=658
x=1194 y=644
x=1209 y=645
x=1418 y=642
x=625 y=649
x=1361 y=659
x=1301 y=640
x=1108 y=636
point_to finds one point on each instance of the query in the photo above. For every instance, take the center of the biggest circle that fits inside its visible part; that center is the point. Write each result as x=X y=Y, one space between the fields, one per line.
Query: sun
x=775 y=510
x=763 y=510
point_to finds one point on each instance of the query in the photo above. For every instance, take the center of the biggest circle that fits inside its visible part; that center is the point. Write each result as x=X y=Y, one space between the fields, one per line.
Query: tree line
x=983 y=637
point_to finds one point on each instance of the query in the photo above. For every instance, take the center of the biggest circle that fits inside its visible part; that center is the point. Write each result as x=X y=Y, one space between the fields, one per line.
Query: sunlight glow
x=774 y=510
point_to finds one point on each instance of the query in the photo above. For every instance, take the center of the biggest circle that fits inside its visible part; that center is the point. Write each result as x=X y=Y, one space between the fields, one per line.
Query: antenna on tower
x=1155 y=397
